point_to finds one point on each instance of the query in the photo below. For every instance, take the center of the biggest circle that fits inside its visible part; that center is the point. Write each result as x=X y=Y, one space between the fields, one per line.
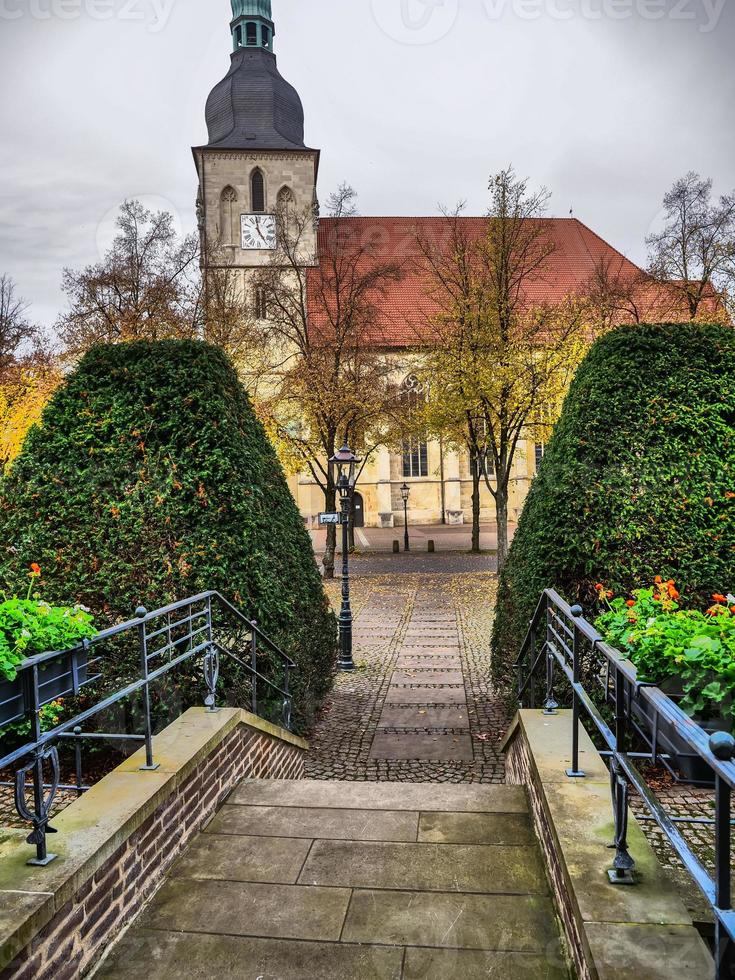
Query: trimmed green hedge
x=150 y=479
x=638 y=480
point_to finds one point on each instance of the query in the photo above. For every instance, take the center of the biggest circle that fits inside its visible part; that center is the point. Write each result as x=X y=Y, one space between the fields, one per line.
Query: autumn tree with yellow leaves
x=496 y=365
x=327 y=382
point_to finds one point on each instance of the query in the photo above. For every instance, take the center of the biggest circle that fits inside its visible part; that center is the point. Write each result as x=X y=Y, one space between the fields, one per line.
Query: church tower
x=256 y=160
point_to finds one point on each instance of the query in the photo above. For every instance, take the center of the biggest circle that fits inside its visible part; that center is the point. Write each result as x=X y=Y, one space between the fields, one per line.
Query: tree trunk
x=476 y=477
x=501 y=517
x=330 y=506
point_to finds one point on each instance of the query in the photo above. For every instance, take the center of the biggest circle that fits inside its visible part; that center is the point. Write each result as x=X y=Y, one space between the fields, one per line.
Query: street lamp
x=345 y=465
x=405 y=491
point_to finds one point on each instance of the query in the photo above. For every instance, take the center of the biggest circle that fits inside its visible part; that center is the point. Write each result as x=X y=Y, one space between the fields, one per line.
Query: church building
x=255 y=162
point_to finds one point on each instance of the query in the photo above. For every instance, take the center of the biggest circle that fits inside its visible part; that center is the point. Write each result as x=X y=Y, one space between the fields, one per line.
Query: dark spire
x=254 y=107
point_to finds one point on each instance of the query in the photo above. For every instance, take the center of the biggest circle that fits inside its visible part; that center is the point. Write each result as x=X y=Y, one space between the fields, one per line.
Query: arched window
x=285 y=198
x=238 y=35
x=257 y=192
x=228 y=216
x=415 y=446
x=266 y=36
x=251 y=34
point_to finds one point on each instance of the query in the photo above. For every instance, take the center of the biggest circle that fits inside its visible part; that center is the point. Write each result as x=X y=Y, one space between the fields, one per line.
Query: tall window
x=261 y=303
x=266 y=35
x=251 y=33
x=238 y=35
x=257 y=192
x=228 y=216
x=539 y=452
x=415 y=447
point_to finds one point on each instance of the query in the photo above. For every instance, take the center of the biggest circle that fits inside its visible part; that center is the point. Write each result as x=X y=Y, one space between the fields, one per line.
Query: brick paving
x=420 y=707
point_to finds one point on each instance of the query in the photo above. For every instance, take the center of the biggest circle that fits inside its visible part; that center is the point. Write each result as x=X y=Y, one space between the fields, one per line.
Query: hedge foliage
x=150 y=479
x=638 y=480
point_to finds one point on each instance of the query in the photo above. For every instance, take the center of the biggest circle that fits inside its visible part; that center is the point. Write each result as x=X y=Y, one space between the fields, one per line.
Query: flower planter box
x=692 y=768
x=57 y=678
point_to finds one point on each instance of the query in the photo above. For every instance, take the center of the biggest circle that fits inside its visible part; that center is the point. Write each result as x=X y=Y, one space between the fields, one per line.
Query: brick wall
x=73 y=939
x=520 y=772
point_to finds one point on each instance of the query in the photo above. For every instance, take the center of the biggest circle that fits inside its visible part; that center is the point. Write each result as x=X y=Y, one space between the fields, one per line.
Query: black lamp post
x=405 y=491
x=345 y=466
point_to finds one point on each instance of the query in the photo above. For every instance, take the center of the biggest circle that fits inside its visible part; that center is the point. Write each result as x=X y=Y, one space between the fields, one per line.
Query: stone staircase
x=340 y=880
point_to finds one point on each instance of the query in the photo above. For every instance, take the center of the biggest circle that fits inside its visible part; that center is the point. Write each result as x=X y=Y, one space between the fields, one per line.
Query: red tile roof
x=406 y=305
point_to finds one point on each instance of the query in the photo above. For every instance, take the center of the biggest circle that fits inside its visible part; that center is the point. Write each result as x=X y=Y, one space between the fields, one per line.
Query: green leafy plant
x=50 y=715
x=638 y=479
x=668 y=643
x=30 y=626
x=151 y=479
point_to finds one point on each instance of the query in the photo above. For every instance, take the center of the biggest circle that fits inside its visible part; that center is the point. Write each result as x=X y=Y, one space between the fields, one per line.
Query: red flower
x=658 y=580
x=630 y=603
x=719 y=598
x=35 y=570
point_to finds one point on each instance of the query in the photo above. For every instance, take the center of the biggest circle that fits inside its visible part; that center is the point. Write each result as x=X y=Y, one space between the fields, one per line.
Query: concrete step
x=425 y=797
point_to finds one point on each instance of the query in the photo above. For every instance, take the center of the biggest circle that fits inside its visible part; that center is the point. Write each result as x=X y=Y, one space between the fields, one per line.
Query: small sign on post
x=329 y=519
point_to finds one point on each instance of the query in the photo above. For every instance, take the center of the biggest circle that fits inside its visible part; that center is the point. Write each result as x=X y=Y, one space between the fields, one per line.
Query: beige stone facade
x=444 y=495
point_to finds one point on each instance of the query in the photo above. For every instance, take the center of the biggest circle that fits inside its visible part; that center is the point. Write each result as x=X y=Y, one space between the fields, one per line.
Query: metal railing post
x=621 y=872
x=287 y=698
x=254 y=665
x=150 y=765
x=551 y=705
x=722 y=746
x=575 y=772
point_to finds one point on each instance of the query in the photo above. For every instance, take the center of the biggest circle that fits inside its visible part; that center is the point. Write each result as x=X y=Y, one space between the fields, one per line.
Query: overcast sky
x=413 y=102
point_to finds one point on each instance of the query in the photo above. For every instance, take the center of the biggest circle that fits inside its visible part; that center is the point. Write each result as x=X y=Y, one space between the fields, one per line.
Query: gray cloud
x=414 y=102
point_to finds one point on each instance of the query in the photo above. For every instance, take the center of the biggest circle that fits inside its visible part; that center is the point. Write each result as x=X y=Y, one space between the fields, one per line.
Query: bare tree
x=16 y=330
x=327 y=381
x=144 y=288
x=694 y=254
x=497 y=362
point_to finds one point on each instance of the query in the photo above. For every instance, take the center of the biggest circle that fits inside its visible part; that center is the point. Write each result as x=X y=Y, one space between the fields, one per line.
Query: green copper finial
x=252 y=24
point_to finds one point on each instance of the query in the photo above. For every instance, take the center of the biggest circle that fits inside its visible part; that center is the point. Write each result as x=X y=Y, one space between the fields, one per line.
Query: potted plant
x=689 y=654
x=29 y=627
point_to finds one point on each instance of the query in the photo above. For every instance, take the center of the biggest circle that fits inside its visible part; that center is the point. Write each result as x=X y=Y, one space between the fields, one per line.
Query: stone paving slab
x=168 y=955
x=317 y=822
x=424 y=867
x=430 y=661
x=276 y=860
x=418 y=717
x=248 y=909
x=419 y=694
x=476 y=828
x=422 y=745
x=424 y=797
x=451 y=920
x=442 y=964
x=425 y=675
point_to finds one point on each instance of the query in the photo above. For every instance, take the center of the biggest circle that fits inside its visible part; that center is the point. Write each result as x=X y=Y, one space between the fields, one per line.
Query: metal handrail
x=545 y=646
x=195 y=633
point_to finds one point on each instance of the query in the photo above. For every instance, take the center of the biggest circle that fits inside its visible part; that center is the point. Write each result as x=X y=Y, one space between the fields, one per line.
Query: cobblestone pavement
x=683 y=801
x=420 y=706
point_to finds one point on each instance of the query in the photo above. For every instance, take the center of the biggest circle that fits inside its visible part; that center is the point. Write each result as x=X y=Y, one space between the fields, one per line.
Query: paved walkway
x=420 y=706
x=337 y=881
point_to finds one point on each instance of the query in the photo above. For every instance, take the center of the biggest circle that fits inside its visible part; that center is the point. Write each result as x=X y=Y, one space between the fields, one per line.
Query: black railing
x=203 y=629
x=564 y=657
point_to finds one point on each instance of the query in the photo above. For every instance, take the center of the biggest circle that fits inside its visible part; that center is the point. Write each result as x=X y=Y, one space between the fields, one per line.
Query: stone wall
x=611 y=930
x=87 y=911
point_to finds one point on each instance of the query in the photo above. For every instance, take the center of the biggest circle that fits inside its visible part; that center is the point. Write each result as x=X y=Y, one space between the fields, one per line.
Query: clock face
x=258 y=231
